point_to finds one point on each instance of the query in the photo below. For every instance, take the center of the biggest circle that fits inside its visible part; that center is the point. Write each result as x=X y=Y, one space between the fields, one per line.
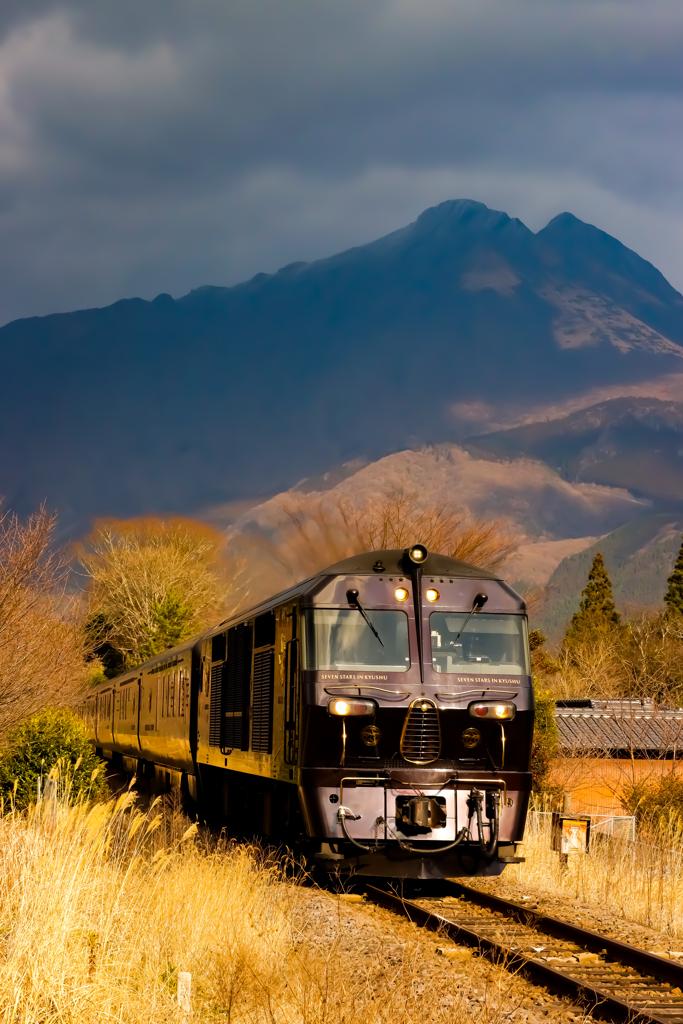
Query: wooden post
x=50 y=797
x=185 y=991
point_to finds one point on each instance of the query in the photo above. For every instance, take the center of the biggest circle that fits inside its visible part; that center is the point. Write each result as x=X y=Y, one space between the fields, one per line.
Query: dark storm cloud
x=163 y=145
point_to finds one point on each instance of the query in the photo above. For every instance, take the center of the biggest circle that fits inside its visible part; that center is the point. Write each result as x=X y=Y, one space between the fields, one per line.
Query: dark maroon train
x=379 y=715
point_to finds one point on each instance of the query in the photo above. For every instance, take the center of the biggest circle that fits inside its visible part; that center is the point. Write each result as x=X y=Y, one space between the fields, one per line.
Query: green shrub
x=46 y=741
x=546 y=740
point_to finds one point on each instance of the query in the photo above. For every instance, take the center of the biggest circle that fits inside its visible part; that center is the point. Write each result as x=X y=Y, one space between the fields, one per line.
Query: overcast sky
x=158 y=145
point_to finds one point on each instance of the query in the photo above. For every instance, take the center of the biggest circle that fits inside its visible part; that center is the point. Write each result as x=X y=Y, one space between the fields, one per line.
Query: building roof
x=626 y=727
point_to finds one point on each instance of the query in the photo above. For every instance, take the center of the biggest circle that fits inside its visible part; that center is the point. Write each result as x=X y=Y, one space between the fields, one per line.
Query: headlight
x=502 y=710
x=432 y=594
x=401 y=594
x=349 y=706
x=417 y=553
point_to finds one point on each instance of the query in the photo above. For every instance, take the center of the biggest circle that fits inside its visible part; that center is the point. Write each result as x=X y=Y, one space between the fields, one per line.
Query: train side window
x=264 y=630
x=218 y=647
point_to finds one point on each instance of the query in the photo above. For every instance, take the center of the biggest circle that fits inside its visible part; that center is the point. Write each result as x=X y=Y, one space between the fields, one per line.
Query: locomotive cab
x=417 y=716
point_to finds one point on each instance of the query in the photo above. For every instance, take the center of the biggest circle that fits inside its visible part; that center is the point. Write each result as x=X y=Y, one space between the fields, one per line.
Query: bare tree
x=153 y=583
x=41 y=642
x=640 y=658
x=651 y=657
x=318 y=531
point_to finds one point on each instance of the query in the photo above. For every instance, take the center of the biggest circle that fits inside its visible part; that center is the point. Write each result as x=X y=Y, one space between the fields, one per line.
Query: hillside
x=639 y=557
x=229 y=393
x=532 y=497
x=635 y=443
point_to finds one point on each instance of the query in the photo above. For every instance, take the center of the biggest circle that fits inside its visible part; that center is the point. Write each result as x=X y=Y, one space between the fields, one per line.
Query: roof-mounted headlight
x=351 y=706
x=417 y=553
x=502 y=710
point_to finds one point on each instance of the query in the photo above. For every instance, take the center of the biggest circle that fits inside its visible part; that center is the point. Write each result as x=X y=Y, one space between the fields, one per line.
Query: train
x=378 y=717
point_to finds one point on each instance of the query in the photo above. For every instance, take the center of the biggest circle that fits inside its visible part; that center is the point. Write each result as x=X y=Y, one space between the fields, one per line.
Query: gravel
x=382 y=945
x=595 y=918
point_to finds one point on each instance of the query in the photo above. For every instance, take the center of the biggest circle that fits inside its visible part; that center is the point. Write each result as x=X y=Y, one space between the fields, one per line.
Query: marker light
x=417 y=553
x=352 y=706
x=432 y=595
x=503 y=710
x=401 y=594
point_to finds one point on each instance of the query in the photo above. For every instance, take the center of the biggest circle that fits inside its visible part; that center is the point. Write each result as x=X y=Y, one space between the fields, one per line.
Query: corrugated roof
x=636 y=728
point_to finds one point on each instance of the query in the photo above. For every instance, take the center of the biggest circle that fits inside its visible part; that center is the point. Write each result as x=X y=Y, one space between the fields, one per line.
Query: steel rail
x=600 y=1002
x=640 y=959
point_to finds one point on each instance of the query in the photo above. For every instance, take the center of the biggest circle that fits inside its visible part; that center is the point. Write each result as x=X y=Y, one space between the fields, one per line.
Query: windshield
x=339 y=638
x=488 y=644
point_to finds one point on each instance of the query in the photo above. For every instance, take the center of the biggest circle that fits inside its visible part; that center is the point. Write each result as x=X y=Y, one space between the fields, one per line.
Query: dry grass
x=641 y=881
x=98 y=915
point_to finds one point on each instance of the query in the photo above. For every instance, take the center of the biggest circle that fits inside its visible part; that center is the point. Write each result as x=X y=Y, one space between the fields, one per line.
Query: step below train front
x=380 y=715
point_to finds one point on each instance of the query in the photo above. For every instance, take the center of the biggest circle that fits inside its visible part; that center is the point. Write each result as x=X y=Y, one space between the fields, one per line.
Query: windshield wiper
x=352 y=598
x=479 y=602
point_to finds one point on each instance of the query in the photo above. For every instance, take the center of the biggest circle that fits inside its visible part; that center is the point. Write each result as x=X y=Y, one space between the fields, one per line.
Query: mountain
x=228 y=393
x=635 y=443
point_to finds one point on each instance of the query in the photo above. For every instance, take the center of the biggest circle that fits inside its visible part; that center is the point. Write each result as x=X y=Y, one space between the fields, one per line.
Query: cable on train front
x=417 y=717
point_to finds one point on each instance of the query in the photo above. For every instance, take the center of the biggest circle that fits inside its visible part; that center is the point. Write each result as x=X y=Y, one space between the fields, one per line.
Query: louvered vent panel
x=236 y=688
x=215 y=712
x=421 y=736
x=262 y=702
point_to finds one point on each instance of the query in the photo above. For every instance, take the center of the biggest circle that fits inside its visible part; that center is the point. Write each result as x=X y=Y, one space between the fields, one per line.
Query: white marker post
x=185 y=992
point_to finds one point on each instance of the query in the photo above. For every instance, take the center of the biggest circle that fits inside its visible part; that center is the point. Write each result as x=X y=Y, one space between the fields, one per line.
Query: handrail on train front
x=498 y=783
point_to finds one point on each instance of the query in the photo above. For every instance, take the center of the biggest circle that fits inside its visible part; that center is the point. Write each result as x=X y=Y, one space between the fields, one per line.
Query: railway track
x=613 y=980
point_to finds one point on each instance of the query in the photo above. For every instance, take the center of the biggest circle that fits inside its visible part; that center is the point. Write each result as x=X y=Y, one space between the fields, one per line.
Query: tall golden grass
x=101 y=906
x=640 y=881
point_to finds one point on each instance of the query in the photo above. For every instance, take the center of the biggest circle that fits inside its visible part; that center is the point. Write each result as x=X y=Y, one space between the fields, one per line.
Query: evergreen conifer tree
x=597 y=611
x=673 y=598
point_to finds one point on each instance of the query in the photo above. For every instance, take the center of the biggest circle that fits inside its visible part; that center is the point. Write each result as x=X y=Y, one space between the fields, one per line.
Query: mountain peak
x=598 y=260
x=565 y=222
x=461 y=213
x=385 y=346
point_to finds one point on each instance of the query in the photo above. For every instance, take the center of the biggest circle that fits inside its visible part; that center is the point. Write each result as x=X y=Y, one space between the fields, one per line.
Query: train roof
x=368 y=563
x=371 y=563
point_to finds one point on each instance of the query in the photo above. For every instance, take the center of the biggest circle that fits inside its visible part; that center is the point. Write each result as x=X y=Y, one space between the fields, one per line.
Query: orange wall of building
x=596 y=783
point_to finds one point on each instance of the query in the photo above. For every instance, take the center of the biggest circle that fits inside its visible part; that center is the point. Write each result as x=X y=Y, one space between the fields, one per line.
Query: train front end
x=417 y=717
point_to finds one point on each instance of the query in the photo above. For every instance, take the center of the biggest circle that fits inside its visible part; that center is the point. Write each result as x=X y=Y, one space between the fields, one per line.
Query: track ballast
x=615 y=981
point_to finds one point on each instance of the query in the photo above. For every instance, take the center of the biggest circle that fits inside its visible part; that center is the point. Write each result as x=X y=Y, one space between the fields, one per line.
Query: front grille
x=400 y=762
x=421 y=736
